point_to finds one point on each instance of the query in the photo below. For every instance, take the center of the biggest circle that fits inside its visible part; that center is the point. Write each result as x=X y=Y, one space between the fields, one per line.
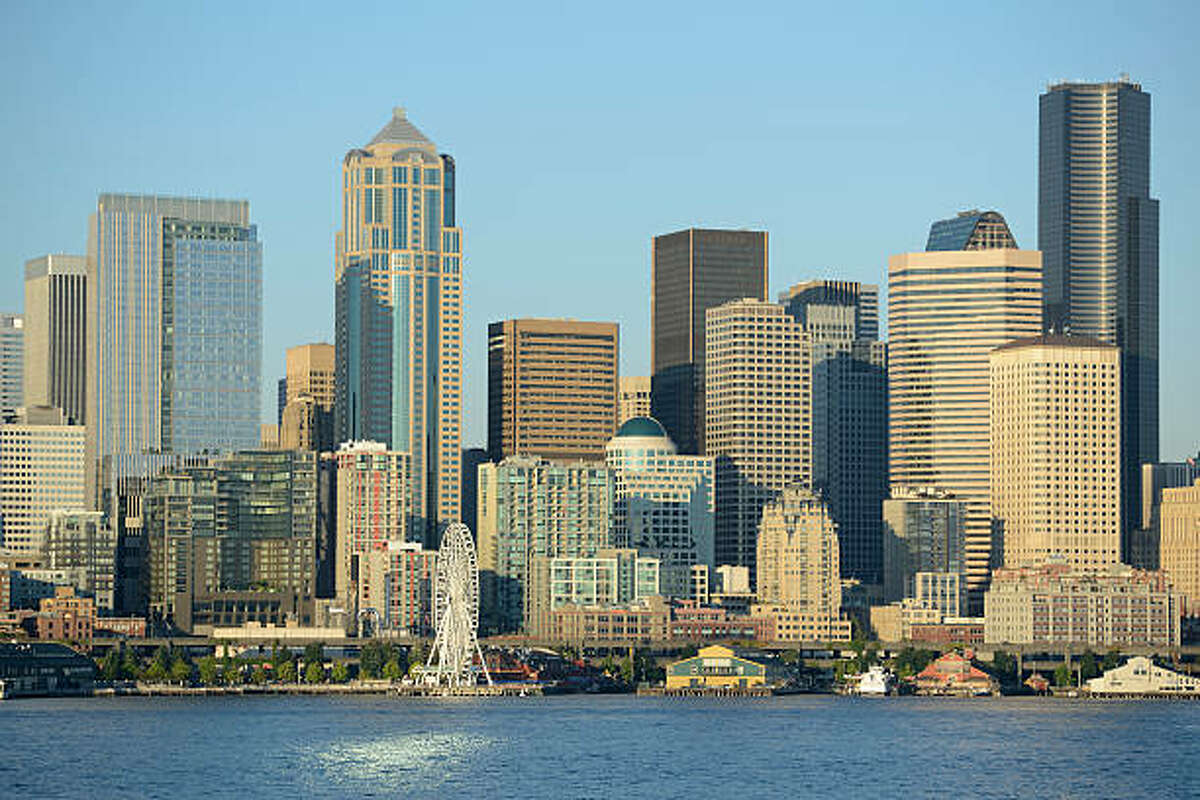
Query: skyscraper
x=41 y=471
x=552 y=388
x=12 y=358
x=633 y=397
x=174 y=328
x=399 y=313
x=948 y=308
x=1056 y=443
x=306 y=419
x=695 y=270
x=759 y=416
x=1098 y=233
x=849 y=414
x=56 y=333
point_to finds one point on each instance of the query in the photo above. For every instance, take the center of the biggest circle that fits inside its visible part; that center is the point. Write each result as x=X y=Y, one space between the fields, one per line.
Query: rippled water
x=598 y=747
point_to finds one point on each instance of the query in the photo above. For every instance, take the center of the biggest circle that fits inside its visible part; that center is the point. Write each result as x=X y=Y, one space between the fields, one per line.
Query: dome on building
x=641 y=426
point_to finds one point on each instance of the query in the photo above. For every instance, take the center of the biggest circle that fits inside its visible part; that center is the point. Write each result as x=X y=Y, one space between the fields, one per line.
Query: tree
x=287 y=672
x=314 y=652
x=1112 y=660
x=1088 y=666
x=258 y=676
x=208 y=671
x=181 y=670
x=231 y=672
x=392 y=670
x=626 y=670
x=314 y=672
x=129 y=666
x=1062 y=675
x=417 y=653
x=372 y=658
x=110 y=667
x=340 y=672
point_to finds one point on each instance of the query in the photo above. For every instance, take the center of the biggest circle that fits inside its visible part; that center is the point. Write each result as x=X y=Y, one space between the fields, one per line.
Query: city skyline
x=810 y=209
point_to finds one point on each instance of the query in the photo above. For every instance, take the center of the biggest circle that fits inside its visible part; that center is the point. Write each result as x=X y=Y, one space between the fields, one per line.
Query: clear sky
x=580 y=131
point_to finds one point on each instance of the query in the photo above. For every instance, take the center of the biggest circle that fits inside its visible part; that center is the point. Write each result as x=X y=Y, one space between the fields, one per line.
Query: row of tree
x=378 y=660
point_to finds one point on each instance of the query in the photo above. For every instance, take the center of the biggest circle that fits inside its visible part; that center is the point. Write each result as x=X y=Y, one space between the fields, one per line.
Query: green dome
x=642 y=426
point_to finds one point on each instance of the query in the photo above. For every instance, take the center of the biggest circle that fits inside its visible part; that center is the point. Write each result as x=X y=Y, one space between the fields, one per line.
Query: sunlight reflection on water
x=424 y=758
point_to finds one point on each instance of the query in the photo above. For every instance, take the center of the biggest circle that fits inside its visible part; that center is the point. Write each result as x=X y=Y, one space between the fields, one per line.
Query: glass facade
x=175 y=318
x=1098 y=232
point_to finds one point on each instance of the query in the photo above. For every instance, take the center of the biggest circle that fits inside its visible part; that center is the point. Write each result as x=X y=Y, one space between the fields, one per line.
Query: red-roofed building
x=954 y=674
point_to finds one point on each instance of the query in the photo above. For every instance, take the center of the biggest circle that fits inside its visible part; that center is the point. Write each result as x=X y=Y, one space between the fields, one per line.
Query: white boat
x=877 y=681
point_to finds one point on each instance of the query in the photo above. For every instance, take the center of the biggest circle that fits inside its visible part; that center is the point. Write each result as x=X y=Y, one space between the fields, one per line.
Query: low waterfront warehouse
x=715 y=667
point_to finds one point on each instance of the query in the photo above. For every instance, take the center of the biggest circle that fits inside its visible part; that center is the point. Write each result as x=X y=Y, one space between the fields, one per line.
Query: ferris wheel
x=456 y=611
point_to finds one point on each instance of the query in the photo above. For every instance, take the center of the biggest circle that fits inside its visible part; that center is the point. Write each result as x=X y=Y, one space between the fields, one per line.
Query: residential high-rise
x=664 y=503
x=41 y=470
x=85 y=545
x=849 y=414
x=759 y=416
x=374 y=507
x=174 y=329
x=396 y=588
x=552 y=388
x=695 y=270
x=923 y=533
x=947 y=310
x=233 y=540
x=399 y=313
x=1179 y=543
x=56 y=333
x=12 y=358
x=798 y=579
x=1056 y=438
x=1098 y=233
x=531 y=507
x=612 y=577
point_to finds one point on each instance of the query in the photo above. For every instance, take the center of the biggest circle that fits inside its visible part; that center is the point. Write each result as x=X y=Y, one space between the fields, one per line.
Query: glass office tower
x=1098 y=233
x=175 y=328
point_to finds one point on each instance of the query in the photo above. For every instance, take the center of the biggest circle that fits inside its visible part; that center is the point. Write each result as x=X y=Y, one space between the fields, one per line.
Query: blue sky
x=582 y=130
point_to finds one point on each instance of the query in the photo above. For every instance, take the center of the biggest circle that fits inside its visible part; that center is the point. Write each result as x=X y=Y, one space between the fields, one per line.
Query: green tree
x=392 y=670
x=340 y=672
x=1062 y=675
x=314 y=652
x=258 y=676
x=314 y=672
x=156 y=672
x=181 y=670
x=1004 y=666
x=231 y=672
x=417 y=653
x=1112 y=660
x=1088 y=666
x=208 y=671
x=287 y=672
x=627 y=672
x=110 y=667
x=129 y=666
x=371 y=659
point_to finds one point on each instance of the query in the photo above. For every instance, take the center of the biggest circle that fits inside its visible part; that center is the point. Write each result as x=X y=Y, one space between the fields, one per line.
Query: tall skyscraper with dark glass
x=695 y=270
x=174 y=329
x=399 y=313
x=1098 y=233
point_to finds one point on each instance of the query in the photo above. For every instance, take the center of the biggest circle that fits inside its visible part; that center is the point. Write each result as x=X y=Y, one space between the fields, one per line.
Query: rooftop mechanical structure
x=456 y=613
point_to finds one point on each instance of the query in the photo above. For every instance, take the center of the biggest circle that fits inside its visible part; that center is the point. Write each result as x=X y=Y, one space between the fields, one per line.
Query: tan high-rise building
x=633 y=398
x=799 y=582
x=310 y=371
x=759 y=416
x=41 y=471
x=1056 y=451
x=399 y=313
x=1179 y=543
x=552 y=388
x=56 y=333
x=948 y=308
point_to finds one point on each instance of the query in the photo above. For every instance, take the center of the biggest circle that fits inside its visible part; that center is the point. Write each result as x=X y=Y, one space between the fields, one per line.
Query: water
x=598 y=747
